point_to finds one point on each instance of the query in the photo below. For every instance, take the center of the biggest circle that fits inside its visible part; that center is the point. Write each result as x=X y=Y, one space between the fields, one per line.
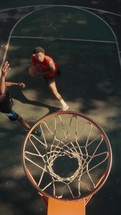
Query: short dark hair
x=38 y=49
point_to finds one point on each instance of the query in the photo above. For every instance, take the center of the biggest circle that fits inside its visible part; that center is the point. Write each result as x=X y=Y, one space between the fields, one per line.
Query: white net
x=69 y=159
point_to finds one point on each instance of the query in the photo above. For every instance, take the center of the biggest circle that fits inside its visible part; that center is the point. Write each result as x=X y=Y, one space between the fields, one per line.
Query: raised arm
x=3 y=83
x=4 y=71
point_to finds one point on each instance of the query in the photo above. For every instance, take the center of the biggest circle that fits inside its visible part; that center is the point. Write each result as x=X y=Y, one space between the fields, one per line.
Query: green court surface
x=86 y=49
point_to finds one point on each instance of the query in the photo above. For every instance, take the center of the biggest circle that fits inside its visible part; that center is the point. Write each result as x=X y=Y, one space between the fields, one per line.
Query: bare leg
x=27 y=126
x=54 y=90
x=23 y=123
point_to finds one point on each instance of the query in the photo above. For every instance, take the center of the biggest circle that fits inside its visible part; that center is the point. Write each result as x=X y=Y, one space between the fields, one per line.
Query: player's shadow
x=18 y=95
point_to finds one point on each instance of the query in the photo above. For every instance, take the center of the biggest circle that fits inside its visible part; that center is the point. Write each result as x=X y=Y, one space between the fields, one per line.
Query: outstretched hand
x=21 y=84
x=5 y=68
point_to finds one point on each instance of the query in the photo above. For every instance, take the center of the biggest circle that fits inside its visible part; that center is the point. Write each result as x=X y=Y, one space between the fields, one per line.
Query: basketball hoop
x=71 y=160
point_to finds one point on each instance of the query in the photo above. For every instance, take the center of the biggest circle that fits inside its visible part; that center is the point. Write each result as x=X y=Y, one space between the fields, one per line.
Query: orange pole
x=65 y=207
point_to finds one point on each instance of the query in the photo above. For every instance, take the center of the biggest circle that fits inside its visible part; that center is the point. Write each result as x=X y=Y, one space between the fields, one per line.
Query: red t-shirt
x=44 y=66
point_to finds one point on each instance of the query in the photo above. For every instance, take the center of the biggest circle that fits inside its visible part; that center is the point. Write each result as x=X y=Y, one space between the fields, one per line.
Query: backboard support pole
x=65 y=207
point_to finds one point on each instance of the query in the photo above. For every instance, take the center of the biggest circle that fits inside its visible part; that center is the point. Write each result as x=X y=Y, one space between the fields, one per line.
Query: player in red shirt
x=45 y=66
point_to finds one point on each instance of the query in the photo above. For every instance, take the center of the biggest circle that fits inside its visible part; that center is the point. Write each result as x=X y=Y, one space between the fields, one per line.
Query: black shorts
x=52 y=79
x=49 y=80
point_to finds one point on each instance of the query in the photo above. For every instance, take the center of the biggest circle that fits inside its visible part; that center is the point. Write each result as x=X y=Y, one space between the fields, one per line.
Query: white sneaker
x=65 y=107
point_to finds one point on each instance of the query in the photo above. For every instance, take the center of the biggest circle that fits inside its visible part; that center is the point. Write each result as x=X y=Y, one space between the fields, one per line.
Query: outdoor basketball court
x=88 y=53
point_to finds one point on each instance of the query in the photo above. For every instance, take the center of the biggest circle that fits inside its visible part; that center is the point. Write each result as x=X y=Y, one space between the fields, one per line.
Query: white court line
x=9 y=37
x=117 y=45
x=63 y=39
x=51 y=6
